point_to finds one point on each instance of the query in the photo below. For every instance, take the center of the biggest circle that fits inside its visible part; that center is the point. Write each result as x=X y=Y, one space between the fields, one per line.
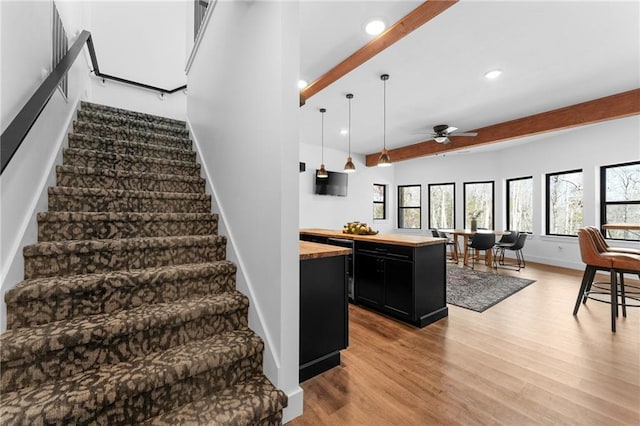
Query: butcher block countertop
x=395 y=239
x=309 y=250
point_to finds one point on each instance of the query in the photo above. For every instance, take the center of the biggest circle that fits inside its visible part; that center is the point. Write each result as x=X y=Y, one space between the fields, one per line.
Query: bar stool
x=595 y=260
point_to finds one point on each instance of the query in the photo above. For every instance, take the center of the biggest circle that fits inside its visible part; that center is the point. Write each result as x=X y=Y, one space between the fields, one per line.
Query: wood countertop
x=395 y=239
x=309 y=250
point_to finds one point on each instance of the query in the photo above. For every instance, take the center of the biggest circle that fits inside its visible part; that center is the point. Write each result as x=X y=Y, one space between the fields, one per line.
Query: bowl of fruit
x=358 y=228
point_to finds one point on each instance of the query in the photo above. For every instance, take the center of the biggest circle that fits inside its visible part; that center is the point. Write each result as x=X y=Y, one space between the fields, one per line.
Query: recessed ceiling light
x=493 y=74
x=344 y=132
x=302 y=84
x=375 y=27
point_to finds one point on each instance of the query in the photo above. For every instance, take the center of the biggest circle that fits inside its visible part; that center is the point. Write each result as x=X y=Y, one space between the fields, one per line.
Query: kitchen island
x=403 y=276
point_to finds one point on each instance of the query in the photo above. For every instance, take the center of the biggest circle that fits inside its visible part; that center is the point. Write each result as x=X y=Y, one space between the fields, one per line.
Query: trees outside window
x=409 y=206
x=620 y=198
x=442 y=211
x=520 y=204
x=379 y=201
x=564 y=206
x=478 y=203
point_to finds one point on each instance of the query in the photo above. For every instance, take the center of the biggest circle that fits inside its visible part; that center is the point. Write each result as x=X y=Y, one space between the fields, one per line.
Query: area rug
x=477 y=290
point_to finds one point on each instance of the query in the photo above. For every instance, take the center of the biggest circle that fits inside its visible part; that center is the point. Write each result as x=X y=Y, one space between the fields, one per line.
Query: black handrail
x=17 y=130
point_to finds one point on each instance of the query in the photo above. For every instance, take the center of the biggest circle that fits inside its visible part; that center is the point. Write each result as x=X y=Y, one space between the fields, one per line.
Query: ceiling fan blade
x=464 y=134
x=451 y=129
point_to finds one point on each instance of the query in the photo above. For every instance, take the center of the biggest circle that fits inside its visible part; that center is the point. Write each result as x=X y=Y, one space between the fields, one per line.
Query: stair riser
x=131 y=124
x=129 y=135
x=115 y=296
x=132 y=114
x=100 y=230
x=82 y=203
x=123 y=148
x=131 y=164
x=65 y=264
x=20 y=373
x=128 y=183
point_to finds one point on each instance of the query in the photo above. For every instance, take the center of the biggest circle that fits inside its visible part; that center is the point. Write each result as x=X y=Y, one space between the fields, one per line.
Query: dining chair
x=507 y=240
x=452 y=243
x=517 y=249
x=483 y=241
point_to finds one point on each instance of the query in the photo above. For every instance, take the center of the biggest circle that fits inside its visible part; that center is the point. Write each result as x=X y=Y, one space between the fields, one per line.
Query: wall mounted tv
x=335 y=184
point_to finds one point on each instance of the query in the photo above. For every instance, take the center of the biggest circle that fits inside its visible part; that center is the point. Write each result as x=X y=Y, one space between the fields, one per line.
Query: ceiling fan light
x=322 y=173
x=384 y=160
x=440 y=139
x=349 y=167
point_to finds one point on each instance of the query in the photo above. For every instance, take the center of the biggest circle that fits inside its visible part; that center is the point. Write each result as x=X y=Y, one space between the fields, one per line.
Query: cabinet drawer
x=387 y=250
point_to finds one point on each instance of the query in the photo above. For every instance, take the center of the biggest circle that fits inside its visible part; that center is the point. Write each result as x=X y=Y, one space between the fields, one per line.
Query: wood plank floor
x=525 y=361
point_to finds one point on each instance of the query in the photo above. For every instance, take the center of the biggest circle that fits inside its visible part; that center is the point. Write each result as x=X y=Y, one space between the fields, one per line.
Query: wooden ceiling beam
x=620 y=105
x=412 y=21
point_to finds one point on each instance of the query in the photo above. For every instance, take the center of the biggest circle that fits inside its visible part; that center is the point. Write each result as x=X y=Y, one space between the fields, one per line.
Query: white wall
x=142 y=41
x=24 y=182
x=243 y=112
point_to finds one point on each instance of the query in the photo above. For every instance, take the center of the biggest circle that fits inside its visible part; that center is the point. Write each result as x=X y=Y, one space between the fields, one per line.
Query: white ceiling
x=552 y=54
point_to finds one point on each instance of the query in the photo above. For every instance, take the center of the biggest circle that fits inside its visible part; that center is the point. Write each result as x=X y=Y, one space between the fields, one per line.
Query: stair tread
x=122 y=173
x=49 y=248
x=124 y=132
x=40 y=339
x=114 y=156
x=124 y=142
x=122 y=193
x=242 y=404
x=122 y=216
x=116 y=110
x=87 y=115
x=93 y=389
x=49 y=287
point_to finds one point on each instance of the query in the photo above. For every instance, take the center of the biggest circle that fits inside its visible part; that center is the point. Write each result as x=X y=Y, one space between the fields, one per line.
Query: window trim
x=603 y=197
x=419 y=208
x=429 y=201
x=383 y=202
x=508 y=199
x=493 y=201
x=547 y=216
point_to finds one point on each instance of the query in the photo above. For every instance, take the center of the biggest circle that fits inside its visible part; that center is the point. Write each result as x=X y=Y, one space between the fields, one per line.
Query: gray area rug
x=477 y=290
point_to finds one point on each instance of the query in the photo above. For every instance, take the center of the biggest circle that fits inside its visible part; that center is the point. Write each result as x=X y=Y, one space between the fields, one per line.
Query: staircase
x=129 y=312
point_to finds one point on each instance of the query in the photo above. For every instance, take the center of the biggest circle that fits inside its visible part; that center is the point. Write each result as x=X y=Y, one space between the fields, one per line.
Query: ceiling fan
x=441 y=133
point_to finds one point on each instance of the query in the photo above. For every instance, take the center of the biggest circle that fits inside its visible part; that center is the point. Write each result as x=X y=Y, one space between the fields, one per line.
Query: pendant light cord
x=350 y=126
x=322 y=135
x=384 y=115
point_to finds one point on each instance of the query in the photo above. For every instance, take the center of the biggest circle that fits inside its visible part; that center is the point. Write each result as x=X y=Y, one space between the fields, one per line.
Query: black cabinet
x=408 y=283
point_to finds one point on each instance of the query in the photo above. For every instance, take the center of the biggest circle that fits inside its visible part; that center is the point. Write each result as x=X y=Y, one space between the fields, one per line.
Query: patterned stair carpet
x=128 y=312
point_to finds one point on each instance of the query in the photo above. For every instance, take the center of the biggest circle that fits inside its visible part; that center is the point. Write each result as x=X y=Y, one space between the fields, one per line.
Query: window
x=620 y=198
x=409 y=214
x=520 y=204
x=478 y=203
x=564 y=202
x=442 y=211
x=379 y=201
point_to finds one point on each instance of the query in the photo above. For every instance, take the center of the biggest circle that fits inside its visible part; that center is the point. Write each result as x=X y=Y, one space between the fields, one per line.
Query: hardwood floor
x=526 y=360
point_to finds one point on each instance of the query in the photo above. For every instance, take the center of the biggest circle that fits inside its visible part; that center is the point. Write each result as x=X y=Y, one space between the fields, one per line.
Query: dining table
x=466 y=234
x=633 y=228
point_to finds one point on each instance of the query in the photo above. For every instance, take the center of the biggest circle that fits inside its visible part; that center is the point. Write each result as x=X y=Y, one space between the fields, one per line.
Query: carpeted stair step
x=36 y=355
x=89 y=177
x=115 y=146
x=96 y=256
x=62 y=198
x=136 y=390
x=63 y=226
x=150 y=118
x=43 y=300
x=131 y=123
x=106 y=160
x=104 y=130
x=253 y=402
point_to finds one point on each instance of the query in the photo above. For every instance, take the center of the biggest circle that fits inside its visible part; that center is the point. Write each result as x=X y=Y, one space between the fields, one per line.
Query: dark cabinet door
x=398 y=286
x=370 y=276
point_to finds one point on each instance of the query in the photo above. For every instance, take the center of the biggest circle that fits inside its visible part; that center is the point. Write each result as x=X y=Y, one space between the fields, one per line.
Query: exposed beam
x=412 y=21
x=620 y=105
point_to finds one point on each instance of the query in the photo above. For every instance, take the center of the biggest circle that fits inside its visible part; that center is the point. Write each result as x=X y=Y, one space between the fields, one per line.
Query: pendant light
x=322 y=173
x=384 y=160
x=349 y=167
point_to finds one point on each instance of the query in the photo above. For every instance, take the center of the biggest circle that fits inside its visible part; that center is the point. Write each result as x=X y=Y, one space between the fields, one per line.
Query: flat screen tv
x=335 y=184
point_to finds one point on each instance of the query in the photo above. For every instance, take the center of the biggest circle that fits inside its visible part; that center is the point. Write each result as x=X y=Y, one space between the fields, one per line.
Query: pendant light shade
x=349 y=167
x=384 y=160
x=322 y=173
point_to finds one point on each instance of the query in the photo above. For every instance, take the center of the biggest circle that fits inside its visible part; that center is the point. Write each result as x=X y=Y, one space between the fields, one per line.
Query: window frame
x=493 y=201
x=508 y=201
x=603 y=197
x=383 y=202
x=419 y=208
x=547 y=216
x=453 y=184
